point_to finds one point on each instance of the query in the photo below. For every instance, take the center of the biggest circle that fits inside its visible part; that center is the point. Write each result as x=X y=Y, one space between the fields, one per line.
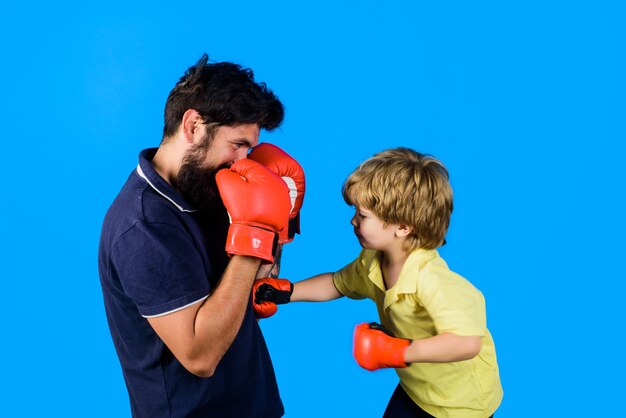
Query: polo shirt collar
x=146 y=171
x=407 y=281
x=374 y=270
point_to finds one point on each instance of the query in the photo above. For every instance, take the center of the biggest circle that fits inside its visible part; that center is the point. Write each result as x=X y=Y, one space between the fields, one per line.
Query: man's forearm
x=271 y=270
x=218 y=320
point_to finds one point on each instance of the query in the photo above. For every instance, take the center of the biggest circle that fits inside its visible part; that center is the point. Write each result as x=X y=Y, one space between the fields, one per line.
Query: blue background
x=523 y=101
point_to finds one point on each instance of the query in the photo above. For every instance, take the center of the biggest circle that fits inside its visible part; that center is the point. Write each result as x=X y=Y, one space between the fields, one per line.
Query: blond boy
x=434 y=330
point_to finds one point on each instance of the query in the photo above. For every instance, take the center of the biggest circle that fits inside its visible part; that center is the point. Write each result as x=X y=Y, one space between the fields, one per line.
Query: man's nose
x=242 y=153
x=353 y=220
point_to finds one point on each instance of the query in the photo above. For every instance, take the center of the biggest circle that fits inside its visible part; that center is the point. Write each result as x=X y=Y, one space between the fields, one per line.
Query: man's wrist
x=252 y=241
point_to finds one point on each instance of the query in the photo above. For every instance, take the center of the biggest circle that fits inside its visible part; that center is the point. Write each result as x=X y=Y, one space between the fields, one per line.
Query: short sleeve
x=160 y=268
x=352 y=280
x=453 y=303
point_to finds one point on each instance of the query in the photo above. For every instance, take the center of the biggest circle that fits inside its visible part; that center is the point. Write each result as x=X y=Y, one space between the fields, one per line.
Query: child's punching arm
x=267 y=293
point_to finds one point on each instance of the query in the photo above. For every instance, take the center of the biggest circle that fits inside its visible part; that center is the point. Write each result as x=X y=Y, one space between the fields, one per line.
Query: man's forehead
x=248 y=133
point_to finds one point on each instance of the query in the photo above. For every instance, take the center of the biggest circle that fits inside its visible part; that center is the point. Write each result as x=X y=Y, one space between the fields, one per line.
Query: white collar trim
x=143 y=176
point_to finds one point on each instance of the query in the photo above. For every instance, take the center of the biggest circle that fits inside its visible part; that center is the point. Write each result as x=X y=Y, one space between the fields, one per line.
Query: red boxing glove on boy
x=258 y=204
x=282 y=164
x=375 y=347
x=267 y=293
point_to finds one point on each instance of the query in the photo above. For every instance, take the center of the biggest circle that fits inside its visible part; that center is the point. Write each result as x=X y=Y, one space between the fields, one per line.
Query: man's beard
x=196 y=182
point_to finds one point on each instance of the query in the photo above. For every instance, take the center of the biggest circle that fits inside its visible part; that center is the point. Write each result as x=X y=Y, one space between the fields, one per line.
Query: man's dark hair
x=223 y=93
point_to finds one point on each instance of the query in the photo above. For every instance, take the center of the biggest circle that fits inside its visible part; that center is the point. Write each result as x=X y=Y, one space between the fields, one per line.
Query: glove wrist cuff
x=284 y=291
x=251 y=241
x=288 y=233
x=397 y=352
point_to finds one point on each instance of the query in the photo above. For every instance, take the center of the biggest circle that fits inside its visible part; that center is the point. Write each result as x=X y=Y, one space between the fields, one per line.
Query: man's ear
x=190 y=123
x=403 y=230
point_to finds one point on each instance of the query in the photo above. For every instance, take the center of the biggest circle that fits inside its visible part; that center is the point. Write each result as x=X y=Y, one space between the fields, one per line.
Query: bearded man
x=182 y=243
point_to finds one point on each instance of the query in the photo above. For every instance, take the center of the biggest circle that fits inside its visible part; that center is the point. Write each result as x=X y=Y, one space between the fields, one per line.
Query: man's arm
x=200 y=334
x=273 y=269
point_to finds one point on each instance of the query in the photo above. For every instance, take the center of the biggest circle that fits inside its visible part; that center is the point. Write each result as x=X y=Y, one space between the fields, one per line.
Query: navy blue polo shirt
x=158 y=255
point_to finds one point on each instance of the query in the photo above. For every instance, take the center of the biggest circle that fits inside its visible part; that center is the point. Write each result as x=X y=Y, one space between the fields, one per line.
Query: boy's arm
x=375 y=347
x=318 y=288
x=443 y=348
x=269 y=292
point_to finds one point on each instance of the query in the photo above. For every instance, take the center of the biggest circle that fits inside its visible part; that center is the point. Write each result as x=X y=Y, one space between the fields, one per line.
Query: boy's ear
x=403 y=230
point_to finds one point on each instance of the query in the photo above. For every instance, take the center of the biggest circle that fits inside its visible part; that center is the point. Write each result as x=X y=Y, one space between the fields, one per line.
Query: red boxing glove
x=282 y=164
x=258 y=204
x=375 y=347
x=267 y=293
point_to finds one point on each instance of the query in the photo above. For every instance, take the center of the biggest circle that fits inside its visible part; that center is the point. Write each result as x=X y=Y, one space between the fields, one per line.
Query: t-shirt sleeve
x=160 y=268
x=351 y=280
x=453 y=303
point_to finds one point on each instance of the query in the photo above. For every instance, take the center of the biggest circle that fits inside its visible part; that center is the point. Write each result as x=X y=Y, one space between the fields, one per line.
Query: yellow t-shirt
x=429 y=299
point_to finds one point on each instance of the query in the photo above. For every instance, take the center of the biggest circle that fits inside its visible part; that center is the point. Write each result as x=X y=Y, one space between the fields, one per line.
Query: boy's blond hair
x=404 y=187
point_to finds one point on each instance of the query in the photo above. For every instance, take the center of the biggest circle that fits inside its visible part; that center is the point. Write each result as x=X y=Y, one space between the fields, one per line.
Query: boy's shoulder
x=421 y=260
x=434 y=271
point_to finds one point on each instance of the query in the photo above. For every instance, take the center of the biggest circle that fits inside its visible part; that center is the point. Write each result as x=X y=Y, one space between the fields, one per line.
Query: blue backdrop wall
x=523 y=101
